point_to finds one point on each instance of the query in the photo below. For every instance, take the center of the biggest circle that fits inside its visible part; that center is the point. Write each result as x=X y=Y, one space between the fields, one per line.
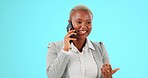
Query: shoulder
x=57 y=44
x=96 y=43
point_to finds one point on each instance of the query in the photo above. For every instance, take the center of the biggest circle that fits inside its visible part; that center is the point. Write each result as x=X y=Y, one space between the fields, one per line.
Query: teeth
x=82 y=32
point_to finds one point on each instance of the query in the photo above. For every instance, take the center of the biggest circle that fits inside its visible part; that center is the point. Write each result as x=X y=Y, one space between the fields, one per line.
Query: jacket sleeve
x=105 y=57
x=55 y=62
x=104 y=54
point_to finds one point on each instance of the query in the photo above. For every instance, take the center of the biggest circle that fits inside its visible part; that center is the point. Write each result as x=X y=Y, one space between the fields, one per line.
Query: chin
x=82 y=36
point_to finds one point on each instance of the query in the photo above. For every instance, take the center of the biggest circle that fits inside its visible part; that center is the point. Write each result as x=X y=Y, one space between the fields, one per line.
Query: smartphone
x=70 y=26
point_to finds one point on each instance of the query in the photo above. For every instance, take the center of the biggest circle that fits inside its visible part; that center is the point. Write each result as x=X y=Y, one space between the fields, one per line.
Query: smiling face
x=82 y=23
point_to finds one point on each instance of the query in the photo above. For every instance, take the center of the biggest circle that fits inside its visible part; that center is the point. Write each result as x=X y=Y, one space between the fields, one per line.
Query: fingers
x=68 y=35
x=106 y=70
x=70 y=32
x=107 y=67
x=114 y=71
x=103 y=71
x=67 y=39
x=110 y=68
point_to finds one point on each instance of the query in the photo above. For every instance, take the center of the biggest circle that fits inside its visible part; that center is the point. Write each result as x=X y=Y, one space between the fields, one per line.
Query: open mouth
x=82 y=32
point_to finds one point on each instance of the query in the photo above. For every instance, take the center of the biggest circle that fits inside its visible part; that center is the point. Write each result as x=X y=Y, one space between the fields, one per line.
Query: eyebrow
x=81 y=19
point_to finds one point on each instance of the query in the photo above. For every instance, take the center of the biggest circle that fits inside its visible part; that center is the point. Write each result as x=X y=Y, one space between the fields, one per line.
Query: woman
x=81 y=58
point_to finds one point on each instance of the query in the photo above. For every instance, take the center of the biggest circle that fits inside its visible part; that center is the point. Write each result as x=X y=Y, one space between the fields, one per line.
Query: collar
x=88 y=45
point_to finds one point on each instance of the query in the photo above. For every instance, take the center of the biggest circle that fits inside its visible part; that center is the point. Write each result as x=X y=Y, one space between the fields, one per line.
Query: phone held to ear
x=70 y=26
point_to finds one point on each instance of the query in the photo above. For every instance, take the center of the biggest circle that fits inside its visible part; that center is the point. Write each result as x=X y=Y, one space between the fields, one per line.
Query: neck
x=80 y=43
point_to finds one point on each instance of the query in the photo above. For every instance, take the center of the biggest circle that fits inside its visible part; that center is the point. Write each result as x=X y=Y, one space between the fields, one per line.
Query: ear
x=68 y=21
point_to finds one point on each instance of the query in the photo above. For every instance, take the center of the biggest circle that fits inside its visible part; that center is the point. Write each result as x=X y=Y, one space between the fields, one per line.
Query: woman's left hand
x=107 y=71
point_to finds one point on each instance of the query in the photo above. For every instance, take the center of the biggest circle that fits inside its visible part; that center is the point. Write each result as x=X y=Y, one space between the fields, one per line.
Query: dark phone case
x=70 y=26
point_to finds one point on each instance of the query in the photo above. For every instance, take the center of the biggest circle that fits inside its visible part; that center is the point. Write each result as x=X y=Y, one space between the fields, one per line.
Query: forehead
x=81 y=15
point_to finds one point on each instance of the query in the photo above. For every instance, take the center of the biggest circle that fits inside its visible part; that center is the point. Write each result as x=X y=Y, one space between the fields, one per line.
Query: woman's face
x=82 y=23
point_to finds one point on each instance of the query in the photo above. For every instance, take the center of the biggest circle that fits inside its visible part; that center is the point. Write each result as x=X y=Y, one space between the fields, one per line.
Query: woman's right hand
x=67 y=40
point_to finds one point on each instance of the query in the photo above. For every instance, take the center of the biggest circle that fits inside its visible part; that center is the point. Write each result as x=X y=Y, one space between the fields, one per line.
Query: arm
x=105 y=57
x=106 y=69
x=56 y=63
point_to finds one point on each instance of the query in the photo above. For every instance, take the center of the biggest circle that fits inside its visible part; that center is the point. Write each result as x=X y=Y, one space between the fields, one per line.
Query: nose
x=83 y=25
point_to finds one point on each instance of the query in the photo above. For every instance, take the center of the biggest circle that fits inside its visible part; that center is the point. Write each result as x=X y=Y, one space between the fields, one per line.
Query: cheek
x=89 y=28
x=75 y=27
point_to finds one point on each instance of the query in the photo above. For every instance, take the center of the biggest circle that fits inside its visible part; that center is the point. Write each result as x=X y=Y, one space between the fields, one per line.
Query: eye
x=79 y=22
x=89 y=22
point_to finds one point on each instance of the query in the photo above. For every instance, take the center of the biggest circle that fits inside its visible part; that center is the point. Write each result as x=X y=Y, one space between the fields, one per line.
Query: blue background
x=27 y=26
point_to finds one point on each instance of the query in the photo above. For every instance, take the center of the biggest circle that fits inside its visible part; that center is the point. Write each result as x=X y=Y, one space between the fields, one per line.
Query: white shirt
x=81 y=64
